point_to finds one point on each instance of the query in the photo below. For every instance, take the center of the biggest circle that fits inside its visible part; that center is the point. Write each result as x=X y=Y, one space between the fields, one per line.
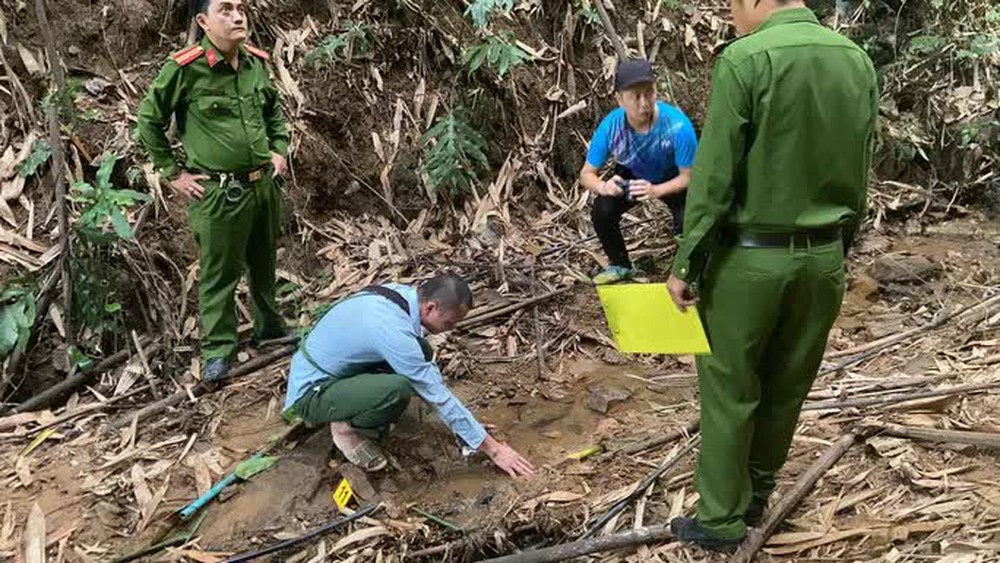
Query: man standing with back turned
x=235 y=136
x=777 y=194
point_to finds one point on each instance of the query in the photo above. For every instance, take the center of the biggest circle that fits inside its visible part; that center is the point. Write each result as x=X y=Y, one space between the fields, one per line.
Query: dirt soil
x=91 y=488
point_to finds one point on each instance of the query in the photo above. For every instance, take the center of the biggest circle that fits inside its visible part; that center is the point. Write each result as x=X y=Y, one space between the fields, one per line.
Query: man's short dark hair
x=448 y=290
x=196 y=7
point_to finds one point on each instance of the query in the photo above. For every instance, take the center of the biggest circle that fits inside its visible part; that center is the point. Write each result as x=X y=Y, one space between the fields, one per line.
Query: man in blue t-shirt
x=652 y=145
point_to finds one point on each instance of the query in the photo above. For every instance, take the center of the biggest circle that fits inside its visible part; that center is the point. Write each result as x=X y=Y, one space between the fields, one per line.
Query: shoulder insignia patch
x=187 y=56
x=257 y=52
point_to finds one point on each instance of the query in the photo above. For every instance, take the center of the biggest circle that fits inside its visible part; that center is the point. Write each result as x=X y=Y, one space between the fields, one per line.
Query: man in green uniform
x=235 y=138
x=777 y=194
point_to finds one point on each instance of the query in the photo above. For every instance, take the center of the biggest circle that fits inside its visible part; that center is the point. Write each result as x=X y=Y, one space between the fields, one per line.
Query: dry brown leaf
x=6 y=214
x=13 y=188
x=201 y=556
x=31 y=60
x=202 y=477
x=560 y=496
x=360 y=536
x=34 y=536
x=149 y=509
x=23 y=470
x=139 y=486
x=7 y=528
x=823 y=540
x=794 y=538
x=15 y=420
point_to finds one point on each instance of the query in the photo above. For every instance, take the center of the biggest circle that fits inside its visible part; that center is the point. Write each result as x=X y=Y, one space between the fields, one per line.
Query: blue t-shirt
x=655 y=156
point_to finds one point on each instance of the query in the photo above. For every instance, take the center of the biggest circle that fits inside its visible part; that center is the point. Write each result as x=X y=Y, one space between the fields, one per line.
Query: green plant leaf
x=481 y=10
x=120 y=224
x=104 y=172
x=17 y=315
x=41 y=150
x=926 y=44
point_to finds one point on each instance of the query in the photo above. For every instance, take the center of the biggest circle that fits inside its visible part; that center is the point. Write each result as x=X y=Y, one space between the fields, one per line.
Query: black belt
x=246 y=176
x=237 y=184
x=798 y=239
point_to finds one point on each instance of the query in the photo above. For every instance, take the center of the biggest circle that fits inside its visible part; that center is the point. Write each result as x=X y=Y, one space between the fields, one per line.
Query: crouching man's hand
x=506 y=458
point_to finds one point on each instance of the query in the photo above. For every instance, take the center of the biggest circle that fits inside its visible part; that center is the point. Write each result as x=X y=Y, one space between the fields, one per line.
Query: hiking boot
x=693 y=531
x=755 y=512
x=216 y=369
x=612 y=274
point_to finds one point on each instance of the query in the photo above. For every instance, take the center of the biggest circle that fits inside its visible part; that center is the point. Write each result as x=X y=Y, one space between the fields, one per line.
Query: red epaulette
x=257 y=52
x=187 y=56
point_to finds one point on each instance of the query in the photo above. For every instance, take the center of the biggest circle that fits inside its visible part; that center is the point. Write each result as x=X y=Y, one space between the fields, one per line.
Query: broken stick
x=989 y=439
x=80 y=378
x=897 y=399
x=570 y=550
x=511 y=308
x=790 y=500
x=202 y=388
x=907 y=334
x=616 y=40
x=688 y=430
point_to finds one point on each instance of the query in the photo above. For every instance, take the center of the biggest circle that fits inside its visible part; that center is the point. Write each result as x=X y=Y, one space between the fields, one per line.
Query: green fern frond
x=456 y=153
x=497 y=52
x=481 y=10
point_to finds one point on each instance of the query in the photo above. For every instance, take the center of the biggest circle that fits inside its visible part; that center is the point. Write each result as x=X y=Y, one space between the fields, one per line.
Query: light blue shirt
x=366 y=330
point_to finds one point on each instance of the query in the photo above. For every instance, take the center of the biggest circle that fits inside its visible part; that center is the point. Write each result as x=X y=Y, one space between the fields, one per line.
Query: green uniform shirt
x=228 y=120
x=787 y=140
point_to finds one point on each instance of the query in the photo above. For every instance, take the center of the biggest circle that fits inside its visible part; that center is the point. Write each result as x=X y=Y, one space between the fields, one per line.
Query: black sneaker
x=216 y=369
x=755 y=512
x=691 y=530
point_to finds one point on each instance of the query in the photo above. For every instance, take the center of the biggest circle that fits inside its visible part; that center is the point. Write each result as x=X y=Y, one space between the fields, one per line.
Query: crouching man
x=365 y=358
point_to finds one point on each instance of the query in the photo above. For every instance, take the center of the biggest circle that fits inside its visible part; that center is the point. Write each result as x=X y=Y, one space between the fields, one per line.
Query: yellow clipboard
x=644 y=320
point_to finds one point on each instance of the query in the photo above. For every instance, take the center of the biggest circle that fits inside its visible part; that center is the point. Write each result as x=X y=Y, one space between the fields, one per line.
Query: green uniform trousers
x=369 y=401
x=234 y=236
x=768 y=313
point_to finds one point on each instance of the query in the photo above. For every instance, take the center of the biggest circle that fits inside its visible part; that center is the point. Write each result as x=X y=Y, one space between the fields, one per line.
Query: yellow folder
x=644 y=320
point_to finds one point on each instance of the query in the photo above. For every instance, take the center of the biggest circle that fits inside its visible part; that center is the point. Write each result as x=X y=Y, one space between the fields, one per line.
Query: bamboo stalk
x=58 y=167
x=907 y=334
x=616 y=40
x=989 y=439
x=577 y=548
x=80 y=378
x=897 y=399
x=202 y=388
x=471 y=321
x=790 y=500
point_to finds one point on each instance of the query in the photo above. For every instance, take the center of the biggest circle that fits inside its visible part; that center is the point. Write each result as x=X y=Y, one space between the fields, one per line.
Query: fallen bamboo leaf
x=201 y=556
x=23 y=471
x=44 y=435
x=360 y=536
x=149 y=509
x=824 y=539
x=7 y=528
x=15 y=420
x=34 y=536
x=139 y=486
x=558 y=496
x=585 y=453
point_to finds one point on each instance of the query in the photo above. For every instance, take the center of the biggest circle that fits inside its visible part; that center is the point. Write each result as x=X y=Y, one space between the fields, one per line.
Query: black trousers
x=607 y=217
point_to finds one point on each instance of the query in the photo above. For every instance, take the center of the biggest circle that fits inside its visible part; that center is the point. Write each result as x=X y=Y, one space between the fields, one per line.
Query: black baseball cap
x=631 y=72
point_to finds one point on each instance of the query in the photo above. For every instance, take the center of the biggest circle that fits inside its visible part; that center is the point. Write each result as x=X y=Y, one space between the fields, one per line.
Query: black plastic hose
x=250 y=555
